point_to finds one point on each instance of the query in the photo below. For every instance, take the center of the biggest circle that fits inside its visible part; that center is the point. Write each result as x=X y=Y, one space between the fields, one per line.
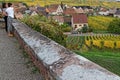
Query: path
x=12 y=63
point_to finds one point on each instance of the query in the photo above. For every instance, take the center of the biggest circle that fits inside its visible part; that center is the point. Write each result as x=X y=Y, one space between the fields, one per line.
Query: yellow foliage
x=117 y=44
x=109 y=44
x=99 y=22
x=97 y=43
x=88 y=43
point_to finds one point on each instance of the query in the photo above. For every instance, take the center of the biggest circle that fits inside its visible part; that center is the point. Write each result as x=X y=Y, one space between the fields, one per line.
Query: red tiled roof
x=52 y=8
x=69 y=11
x=79 y=18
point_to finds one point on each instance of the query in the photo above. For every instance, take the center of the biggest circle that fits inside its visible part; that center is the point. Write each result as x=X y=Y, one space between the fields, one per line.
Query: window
x=80 y=25
x=75 y=26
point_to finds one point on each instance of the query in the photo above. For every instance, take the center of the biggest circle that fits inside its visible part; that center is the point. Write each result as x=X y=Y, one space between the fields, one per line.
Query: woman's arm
x=4 y=13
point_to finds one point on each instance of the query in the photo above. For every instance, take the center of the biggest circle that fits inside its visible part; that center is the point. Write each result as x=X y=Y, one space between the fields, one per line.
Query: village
x=74 y=16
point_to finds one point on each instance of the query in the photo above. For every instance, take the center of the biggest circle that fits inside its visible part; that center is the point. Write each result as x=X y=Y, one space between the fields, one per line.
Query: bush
x=114 y=26
x=46 y=27
x=65 y=27
x=84 y=29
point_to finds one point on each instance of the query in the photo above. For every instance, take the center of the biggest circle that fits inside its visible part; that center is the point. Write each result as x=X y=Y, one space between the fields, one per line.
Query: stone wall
x=56 y=62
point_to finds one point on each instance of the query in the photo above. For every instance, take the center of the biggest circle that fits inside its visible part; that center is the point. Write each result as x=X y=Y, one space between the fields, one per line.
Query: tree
x=114 y=26
x=85 y=29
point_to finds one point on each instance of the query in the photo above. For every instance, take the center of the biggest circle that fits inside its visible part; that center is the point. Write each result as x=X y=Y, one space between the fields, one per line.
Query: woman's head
x=4 y=5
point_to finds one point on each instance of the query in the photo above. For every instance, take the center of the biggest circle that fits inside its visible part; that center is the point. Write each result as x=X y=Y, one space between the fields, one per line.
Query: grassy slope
x=107 y=59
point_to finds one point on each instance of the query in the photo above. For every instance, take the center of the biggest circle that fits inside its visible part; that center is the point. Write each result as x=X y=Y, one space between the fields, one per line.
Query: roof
x=79 y=10
x=112 y=11
x=52 y=8
x=103 y=10
x=83 y=7
x=79 y=18
x=41 y=8
x=69 y=11
x=117 y=12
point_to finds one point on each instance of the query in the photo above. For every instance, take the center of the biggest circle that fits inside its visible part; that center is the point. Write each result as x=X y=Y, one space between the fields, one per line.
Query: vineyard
x=109 y=41
x=68 y=2
x=74 y=2
x=99 y=23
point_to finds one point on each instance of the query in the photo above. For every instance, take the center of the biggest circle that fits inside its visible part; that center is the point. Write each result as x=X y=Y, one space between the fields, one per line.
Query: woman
x=10 y=13
x=4 y=6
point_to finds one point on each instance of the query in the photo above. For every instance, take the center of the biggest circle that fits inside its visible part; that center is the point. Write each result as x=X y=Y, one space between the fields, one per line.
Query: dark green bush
x=114 y=26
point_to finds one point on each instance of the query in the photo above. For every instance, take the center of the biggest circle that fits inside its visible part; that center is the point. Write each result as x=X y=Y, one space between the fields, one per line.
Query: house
x=78 y=10
x=67 y=20
x=69 y=11
x=117 y=14
x=27 y=11
x=55 y=9
x=33 y=13
x=61 y=19
x=78 y=21
x=42 y=11
x=32 y=8
x=112 y=12
x=103 y=11
x=86 y=9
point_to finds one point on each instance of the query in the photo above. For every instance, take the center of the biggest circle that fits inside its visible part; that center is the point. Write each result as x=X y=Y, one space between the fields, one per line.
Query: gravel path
x=12 y=63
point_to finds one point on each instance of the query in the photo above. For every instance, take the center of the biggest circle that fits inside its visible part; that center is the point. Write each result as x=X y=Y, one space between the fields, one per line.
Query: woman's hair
x=3 y=5
x=9 y=4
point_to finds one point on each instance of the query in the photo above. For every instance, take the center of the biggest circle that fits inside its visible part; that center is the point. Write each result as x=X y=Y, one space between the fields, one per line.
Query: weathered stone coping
x=56 y=62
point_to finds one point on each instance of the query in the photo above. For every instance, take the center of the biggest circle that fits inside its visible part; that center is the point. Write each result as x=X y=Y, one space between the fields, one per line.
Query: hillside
x=106 y=3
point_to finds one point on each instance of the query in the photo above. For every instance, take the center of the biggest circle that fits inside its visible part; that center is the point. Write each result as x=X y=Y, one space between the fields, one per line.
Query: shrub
x=47 y=27
x=114 y=26
x=84 y=29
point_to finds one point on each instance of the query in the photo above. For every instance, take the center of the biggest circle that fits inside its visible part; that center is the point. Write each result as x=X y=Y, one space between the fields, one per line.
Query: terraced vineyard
x=99 y=41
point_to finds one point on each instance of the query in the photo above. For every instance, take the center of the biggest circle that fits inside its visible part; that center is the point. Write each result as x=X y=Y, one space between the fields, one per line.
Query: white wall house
x=79 y=21
x=117 y=14
x=103 y=13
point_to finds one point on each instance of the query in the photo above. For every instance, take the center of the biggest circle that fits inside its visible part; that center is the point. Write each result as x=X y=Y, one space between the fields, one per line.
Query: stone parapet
x=54 y=61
